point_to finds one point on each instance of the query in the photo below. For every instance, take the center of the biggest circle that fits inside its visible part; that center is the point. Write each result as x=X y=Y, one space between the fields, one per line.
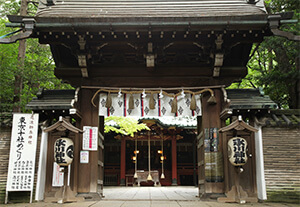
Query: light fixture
x=135 y=163
x=162 y=160
x=149 y=178
x=159 y=151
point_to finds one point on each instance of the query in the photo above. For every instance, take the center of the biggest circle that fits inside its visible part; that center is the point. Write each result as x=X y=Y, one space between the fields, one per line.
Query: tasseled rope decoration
x=174 y=106
x=193 y=105
x=108 y=101
x=131 y=102
x=151 y=102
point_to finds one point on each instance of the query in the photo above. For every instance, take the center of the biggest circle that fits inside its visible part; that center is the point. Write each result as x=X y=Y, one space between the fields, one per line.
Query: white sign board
x=58 y=176
x=22 y=152
x=84 y=156
x=90 y=138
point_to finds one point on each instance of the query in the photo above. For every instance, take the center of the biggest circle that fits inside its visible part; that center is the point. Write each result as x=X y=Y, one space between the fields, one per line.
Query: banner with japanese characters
x=22 y=152
x=90 y=138
x=58 y=176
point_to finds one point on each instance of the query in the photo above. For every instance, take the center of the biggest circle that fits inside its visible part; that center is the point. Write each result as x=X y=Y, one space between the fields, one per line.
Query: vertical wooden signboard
x=22 y=154
x=90 y=138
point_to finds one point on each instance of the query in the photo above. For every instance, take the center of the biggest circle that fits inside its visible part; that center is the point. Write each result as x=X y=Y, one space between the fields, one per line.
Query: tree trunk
x=295 y=94
x=20 y=69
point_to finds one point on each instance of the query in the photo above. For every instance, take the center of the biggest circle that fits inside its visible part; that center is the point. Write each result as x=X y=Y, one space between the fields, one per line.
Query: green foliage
x=12 y=7
x=123 y=125
x=274 y=65
x=38 y=71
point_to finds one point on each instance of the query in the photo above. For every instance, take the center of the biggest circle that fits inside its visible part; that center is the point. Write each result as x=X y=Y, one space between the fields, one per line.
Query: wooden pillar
x=213 y=156
x=123 y=162
x=194 y=163
x=88 y=182
x=174 y=161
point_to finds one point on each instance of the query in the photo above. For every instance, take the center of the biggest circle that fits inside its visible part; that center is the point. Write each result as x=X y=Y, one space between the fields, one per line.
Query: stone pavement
x=151 y=197
x=181 y=193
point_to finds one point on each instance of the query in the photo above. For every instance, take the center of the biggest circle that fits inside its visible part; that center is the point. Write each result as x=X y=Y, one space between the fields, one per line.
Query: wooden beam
x=286 y=119
x=84 y=72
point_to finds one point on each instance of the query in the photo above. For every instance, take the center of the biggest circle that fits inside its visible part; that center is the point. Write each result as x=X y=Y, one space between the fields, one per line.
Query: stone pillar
x=123 y=162
x=174 y=161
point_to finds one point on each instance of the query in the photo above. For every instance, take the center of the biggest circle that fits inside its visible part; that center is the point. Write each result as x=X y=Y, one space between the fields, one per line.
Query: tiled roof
x=283 y=118
x=52 y=100
x=249 y=99
x=149 y=8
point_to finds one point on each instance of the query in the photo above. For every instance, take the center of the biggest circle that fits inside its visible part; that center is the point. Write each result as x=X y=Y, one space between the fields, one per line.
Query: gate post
x=213 y=157
x=123 y=162
x=174 y=161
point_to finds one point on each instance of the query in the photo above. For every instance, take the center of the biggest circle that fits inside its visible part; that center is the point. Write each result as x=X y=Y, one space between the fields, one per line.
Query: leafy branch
x=123 y=125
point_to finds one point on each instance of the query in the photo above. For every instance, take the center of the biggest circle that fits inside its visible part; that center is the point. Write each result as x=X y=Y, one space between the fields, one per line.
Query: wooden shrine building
x=150 y=59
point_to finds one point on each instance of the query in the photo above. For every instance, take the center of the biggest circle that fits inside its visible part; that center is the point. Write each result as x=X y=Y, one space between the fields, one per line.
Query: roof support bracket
x=219 y=58
x=150 y=57
x=81 y=42
x=274 y=22
x=219 y=41
x=82 y=62
x=27 y=32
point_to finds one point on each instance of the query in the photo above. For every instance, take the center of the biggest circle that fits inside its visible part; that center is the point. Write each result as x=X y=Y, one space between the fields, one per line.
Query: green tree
x=38 y=71
x=274 y=65
x=123 y=125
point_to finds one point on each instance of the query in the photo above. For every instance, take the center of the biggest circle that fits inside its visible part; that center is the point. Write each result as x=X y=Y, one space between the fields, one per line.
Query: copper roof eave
x=144 y=19
x=151 y=23
x=47 y=23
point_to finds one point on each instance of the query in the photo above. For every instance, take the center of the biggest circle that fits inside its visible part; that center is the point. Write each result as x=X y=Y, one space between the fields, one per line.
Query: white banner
x=90 y=138
x=22 y=152
x=141 y=106
x=58 y=176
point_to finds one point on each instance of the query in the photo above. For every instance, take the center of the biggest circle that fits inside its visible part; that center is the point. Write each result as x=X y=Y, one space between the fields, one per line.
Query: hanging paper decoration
x=144 y=94
x=120 y=93
x=163 y=107
x=135 y=102
x=161 y=94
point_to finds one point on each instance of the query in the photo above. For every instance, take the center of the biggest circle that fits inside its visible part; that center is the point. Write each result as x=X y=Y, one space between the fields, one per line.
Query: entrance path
x=151 y=197
x=186 y=193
